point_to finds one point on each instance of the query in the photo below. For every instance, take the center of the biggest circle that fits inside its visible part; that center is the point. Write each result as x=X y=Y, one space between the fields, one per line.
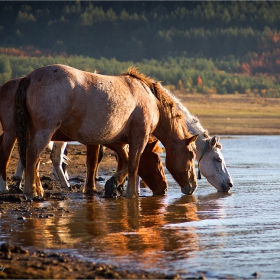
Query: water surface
x=217 y=234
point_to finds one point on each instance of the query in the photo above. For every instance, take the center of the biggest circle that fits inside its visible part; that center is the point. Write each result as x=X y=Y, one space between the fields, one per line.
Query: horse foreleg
x=135 y=153
x=7 y=142
x=57 y=160
x=92 y=164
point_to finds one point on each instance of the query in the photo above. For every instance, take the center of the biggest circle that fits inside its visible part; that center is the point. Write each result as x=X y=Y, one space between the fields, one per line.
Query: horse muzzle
x=227 y=187
x=189 y=189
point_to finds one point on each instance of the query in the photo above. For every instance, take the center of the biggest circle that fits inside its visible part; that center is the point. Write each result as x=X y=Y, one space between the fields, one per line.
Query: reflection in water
x=223 y=234
x=146 y=231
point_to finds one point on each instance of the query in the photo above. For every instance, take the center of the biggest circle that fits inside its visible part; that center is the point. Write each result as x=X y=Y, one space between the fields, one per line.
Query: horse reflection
x=149 y=229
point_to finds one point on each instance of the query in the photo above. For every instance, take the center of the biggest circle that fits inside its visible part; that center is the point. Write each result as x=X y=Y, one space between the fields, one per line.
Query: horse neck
x=167 y=132
x=194 y=126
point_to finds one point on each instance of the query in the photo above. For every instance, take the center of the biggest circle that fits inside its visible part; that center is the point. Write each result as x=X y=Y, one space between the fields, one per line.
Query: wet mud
x=19 y=263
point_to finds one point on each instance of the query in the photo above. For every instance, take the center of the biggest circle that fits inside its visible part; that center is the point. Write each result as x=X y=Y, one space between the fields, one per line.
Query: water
x=217 y=234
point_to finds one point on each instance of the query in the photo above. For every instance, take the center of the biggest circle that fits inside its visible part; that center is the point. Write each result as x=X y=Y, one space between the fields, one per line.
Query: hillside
x=197 y=46
x=145 y=30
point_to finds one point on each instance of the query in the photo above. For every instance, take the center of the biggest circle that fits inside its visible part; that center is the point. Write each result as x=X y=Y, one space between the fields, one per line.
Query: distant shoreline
x=233 y=114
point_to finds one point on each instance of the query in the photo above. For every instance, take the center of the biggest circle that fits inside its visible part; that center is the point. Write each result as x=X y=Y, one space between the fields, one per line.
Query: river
x=216 y=234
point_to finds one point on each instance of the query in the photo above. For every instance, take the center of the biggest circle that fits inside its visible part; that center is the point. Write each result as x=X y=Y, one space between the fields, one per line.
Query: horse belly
x=103 y=121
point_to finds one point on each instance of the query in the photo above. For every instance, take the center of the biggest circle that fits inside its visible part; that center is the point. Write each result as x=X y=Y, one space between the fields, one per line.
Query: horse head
x=180 y=163
x=151 y=169
x=213 y=167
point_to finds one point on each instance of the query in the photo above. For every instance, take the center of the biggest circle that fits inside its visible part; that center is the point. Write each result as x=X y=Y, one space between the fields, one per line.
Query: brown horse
x=151 y=167
x=97 y=109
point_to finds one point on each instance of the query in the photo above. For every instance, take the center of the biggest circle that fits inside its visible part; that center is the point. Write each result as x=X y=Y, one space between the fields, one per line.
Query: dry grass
x=235 y=114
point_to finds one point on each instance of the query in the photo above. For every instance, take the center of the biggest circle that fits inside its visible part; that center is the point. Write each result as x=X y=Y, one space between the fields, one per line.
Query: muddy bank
x=19 y=263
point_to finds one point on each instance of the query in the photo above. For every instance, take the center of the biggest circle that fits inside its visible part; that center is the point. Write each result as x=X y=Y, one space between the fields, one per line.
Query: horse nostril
x=230 y=185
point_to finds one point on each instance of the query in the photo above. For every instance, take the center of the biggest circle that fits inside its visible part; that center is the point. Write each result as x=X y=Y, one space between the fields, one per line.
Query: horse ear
x=191 y=139
x=215 y=142
x=151 y=145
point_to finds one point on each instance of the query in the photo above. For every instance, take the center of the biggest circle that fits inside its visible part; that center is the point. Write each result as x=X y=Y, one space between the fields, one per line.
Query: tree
x=5 y=70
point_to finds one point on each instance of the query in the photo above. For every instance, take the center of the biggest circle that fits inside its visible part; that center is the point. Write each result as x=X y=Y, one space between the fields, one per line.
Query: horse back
x=86 y=106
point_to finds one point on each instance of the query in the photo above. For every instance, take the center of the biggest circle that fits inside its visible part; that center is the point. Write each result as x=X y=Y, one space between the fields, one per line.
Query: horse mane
x=194 y=125
x=133 y=72
x=167 y=102
x=171 y=105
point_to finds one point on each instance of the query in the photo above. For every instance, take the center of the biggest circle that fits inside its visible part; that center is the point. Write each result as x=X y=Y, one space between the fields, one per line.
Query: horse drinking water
x=150 y=167
x=211 y=162
x=97 y=109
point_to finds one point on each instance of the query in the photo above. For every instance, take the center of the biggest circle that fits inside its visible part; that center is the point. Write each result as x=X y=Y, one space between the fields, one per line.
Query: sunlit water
x=218 y=234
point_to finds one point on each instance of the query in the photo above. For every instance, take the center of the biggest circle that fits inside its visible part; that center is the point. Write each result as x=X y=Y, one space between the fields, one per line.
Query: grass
x=234 y=114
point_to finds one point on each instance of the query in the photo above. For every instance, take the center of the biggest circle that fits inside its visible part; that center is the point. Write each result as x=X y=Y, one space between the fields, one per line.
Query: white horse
x=210 y=160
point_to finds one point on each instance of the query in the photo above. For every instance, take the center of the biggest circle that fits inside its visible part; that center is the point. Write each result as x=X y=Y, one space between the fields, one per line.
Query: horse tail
x=21 y=118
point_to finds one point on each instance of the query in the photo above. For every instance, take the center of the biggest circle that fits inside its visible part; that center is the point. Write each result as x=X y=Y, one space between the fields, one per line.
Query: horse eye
x=219 y=160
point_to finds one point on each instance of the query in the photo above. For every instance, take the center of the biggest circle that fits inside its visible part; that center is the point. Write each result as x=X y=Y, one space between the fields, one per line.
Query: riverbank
x=238 y=114
x=19 y=263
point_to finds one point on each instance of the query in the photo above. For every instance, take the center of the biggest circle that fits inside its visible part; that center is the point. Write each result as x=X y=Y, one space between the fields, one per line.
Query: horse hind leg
x=65 y=161
x=32 y=186
x=57 y=157
x=19 y=172
x=7 y=142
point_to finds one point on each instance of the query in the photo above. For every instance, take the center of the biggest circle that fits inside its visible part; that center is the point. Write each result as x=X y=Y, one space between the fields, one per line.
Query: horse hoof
x=130 y=195
x=90 y=191
x=38 y=199
x=112 y=189
x=16 y=178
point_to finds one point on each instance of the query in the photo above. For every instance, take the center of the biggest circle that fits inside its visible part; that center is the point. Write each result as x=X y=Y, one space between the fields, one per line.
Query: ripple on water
x=233 y=234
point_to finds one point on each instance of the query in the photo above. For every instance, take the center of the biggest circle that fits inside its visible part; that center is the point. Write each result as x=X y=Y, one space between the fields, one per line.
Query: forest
x=194 y=46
